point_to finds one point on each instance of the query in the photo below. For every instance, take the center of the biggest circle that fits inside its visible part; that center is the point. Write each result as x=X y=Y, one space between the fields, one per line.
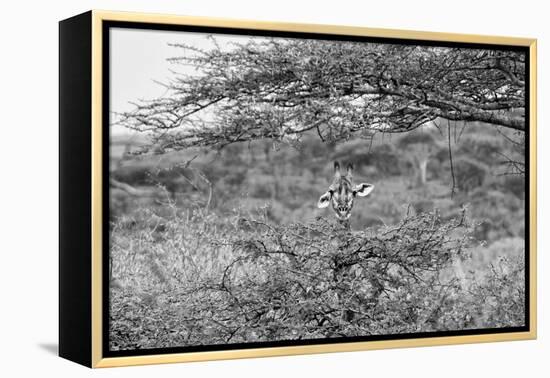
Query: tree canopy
x=280 y=88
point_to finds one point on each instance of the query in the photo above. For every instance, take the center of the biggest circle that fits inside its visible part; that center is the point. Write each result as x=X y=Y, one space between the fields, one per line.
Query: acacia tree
x=280 y=88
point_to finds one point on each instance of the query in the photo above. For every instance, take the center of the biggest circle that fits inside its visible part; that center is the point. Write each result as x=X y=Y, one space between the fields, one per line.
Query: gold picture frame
x=86 y=32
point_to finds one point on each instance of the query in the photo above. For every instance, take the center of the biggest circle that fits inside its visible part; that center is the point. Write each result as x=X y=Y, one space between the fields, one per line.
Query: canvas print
x=269 y=189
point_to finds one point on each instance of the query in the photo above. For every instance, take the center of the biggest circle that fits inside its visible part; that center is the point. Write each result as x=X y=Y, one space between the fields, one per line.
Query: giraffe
x=342 y=192
x=341 y=195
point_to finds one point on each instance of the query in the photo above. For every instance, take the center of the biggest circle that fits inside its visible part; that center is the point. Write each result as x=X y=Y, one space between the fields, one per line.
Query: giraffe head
x=342 y=192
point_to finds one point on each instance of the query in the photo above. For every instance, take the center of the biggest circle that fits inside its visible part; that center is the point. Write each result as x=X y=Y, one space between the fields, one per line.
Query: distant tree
x=470 y=173
x=420 y=147
x=280 y=88
x=355 y=151
x=384 y=157
x=481 y=147
x=501 y=214
x=516 y=185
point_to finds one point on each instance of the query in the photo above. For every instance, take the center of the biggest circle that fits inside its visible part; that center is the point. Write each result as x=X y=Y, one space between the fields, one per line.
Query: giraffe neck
x=344 y=224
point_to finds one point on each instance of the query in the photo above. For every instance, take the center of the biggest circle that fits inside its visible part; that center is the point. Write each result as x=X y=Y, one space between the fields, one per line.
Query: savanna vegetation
x=215 y=233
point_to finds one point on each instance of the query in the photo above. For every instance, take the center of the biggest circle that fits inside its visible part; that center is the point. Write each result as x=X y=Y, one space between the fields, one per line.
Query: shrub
x=203 y=280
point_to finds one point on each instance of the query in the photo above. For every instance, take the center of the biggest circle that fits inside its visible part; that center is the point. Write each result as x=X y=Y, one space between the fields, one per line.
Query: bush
x=203 y=280
x=495 y=298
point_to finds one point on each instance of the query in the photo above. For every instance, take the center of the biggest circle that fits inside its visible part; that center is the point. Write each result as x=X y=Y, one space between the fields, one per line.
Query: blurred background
x=411 y=172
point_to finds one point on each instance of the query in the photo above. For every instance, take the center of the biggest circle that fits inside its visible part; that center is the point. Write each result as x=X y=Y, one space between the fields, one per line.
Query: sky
x=138 y=61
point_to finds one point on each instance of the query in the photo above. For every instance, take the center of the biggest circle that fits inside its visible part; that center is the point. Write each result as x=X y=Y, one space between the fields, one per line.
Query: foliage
x=470 y=174
x=423 y=139
x=497 y=298
x=501 y=215
x=280 y=88
x=195 y=279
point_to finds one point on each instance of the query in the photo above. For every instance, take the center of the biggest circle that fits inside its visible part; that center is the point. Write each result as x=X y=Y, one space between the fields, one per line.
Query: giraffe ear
x=363 y=189
x=324 y=200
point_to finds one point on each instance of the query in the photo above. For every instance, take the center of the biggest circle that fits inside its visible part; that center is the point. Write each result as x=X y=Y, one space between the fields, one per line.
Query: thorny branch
x=279 y=88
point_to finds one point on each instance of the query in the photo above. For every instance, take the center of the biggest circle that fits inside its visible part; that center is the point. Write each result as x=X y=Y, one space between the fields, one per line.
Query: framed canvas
x=234 y=189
